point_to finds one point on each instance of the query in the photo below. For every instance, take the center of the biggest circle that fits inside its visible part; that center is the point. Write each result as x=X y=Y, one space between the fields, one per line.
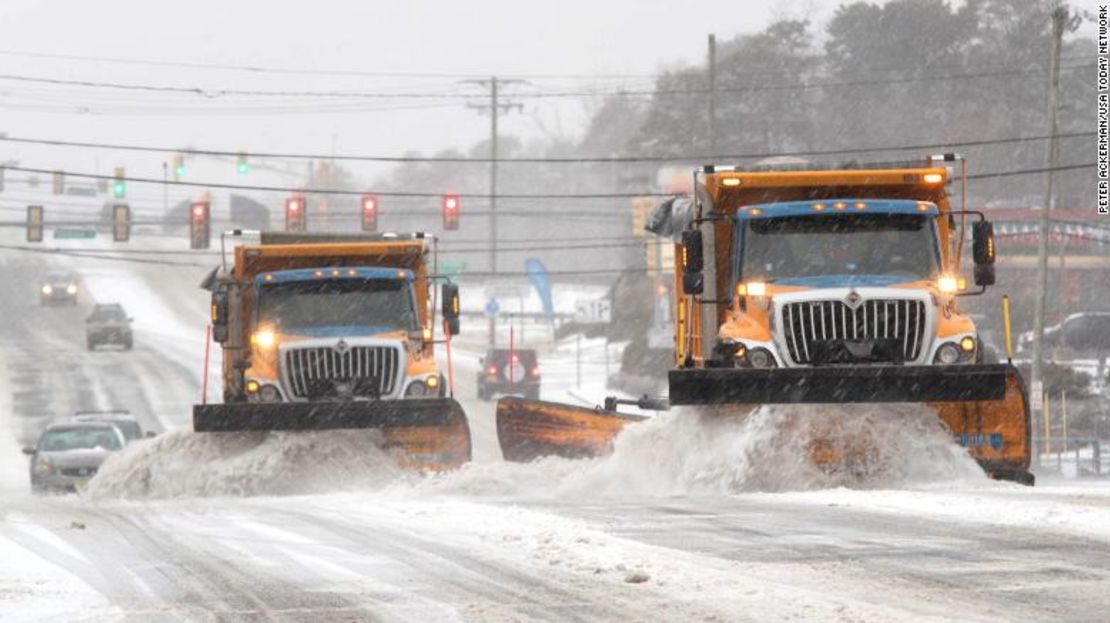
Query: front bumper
x=60 y=482
x=109 y=336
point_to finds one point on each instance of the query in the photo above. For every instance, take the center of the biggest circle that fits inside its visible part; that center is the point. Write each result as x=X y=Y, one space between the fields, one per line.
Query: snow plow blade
x=833 y=384
x=428 y=433
x=530 y=429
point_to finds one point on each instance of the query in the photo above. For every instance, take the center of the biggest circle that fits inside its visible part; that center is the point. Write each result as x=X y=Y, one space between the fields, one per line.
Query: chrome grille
x=317 y=371
x=807 y=324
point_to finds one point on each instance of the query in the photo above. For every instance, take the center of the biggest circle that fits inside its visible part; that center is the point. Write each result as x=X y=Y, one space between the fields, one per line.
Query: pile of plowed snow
x=725 y=451
x=686 y=451
x=186 y=464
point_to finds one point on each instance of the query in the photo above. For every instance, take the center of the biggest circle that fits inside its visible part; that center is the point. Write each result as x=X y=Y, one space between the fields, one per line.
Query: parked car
x=509 y=372
x=69 y=454
x=108 y=324
x=121 y=419
x=61 y=287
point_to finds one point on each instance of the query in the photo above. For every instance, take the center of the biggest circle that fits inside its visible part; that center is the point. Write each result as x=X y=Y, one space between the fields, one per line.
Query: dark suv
x=108 y=324
x=509 y=372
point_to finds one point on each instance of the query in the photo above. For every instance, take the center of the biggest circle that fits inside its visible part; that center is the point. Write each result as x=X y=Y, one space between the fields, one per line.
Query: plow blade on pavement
x=530 y=429
x=426 y=433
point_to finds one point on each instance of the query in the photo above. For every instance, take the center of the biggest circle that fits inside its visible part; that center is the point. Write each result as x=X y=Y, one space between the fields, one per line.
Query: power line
x=357 y=193
x=312 y=72
x=536 y=160
x=214 y=93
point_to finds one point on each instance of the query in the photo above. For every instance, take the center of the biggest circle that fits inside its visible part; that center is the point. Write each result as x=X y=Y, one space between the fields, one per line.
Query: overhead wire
x=531 y=160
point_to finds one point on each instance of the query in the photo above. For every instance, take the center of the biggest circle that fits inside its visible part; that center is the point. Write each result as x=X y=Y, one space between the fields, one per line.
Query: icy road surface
x=683 y=523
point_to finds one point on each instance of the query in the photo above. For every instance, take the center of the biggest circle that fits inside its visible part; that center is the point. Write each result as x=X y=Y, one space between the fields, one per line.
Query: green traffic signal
x=179 y=170
x=242 y=168
x=119 y=189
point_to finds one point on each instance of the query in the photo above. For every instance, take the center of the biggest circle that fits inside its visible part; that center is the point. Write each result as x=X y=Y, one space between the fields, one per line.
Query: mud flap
x=833 y=384
x=529 y=429
x=427 y=433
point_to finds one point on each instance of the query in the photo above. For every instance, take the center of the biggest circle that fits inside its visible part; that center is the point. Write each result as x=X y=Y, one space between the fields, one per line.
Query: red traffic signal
x=451 y=206
x=369 y=213
x=294 y=214
x=199 y=225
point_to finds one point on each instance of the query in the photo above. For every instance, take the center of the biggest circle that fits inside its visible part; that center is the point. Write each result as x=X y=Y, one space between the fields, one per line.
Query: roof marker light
x=922 y=207
x=755 y=211
x=819 y=207
x=840 y=205
x=860 y=205
x=932 y=178
x=730 y=181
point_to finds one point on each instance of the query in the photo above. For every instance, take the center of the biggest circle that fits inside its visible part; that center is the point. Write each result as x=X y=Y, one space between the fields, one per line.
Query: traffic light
x=121 y=222
x=242 y=166
x=199 y=226
x=34 y=223
x=369 y=213
x=294 y=214
x=178 y=167
x=451 y=207
x=119 y=185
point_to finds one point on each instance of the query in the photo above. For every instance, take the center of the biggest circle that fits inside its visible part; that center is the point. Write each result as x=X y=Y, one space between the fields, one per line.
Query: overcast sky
x=624 y=40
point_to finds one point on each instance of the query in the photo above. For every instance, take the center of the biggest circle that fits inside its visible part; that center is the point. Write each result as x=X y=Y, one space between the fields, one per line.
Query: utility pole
x=495 y=107
x=1059 y=21
x=712 y=126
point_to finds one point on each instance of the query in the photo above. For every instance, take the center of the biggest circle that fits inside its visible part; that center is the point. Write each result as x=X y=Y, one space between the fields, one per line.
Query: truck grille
x=881 y=330
x=317 y=372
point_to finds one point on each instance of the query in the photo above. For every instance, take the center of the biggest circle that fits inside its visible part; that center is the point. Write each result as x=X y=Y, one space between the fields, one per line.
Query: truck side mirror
x=693 y=262
x=450 y=296
x=982 y=243
x=984 y=274
x=219 y=316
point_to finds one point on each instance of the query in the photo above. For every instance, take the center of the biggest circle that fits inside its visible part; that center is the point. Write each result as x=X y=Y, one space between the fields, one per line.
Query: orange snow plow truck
x=800 y=283
x=335 y=331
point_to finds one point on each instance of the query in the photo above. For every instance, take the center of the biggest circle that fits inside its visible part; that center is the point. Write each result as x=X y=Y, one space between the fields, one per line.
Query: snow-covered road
x=671 y=528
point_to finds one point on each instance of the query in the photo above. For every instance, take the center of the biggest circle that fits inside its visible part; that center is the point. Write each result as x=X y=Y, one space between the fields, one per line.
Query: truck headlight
x=44 y=467
x=761 y=358
x=420 y=389
x=71 y=289
x=47 y=289
x=264 y=339
x=269 y=393
x=948 y=353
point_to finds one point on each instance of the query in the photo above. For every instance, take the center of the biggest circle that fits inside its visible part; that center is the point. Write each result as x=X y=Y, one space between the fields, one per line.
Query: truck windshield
x=380 y=303
x=782 y=248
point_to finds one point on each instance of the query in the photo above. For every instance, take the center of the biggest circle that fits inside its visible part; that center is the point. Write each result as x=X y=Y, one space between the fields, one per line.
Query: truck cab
x=842 y=282
x=344 y=332
x=311 y=317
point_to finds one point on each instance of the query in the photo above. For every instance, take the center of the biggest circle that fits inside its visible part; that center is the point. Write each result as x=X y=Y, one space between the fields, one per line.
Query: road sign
x=492 y=308
x=451 y=268
x=68 y=234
